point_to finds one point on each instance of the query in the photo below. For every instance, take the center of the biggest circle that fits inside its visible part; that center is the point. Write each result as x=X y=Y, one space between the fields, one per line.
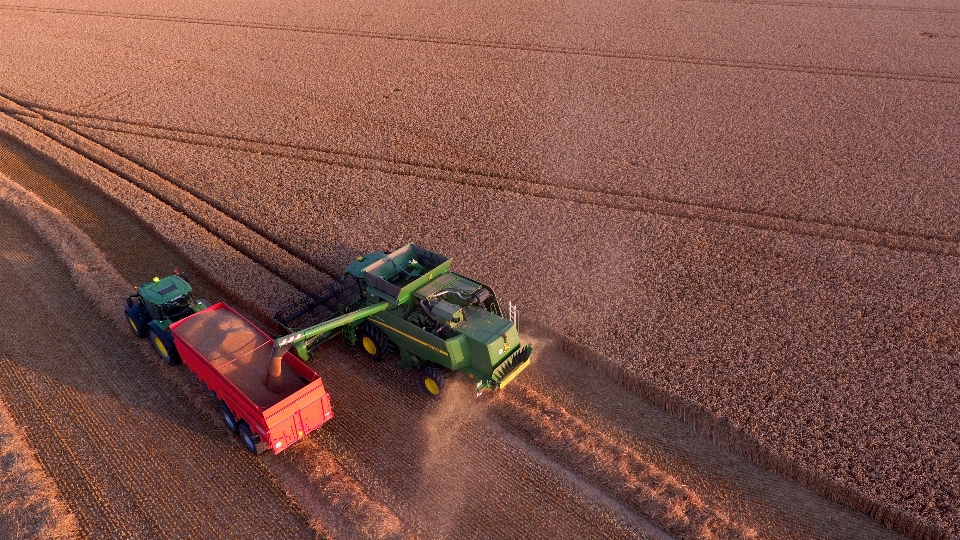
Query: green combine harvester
x=439 y=321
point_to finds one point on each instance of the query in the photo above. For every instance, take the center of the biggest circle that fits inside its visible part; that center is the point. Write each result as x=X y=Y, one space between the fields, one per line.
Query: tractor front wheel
x=167 y=353
x=373 y=342
x=137 y=322
x=432 y=380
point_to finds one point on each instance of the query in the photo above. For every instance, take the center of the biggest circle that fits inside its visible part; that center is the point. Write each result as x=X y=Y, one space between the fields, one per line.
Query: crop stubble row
x=450 y=469
x=32 y=505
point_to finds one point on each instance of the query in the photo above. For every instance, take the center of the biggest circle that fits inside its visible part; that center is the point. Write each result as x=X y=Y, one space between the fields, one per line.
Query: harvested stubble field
x=343 y=496
x=745 y=212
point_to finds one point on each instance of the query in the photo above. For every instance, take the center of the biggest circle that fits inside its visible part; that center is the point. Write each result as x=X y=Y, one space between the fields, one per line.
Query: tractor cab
x=158 y=304
x=167 y=298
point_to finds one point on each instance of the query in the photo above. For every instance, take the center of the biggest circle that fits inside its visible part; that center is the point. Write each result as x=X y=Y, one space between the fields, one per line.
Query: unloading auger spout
x=283 y=344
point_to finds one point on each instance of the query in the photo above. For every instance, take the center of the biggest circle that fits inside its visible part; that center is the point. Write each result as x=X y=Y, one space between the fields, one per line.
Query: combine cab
x=439 y=321
x=158 y=304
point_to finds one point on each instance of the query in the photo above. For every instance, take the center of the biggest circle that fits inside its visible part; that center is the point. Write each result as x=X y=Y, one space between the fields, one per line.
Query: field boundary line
x=932 y=244
x=560 y=50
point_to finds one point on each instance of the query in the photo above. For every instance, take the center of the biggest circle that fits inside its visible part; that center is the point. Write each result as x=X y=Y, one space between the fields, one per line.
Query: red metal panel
x=289 y=420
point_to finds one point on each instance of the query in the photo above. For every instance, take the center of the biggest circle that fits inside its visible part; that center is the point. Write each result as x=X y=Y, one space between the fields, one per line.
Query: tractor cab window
x=153 y=310
x=177 y=308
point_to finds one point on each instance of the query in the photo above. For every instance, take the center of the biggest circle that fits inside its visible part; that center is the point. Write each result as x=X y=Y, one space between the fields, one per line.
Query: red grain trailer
x=232 y=356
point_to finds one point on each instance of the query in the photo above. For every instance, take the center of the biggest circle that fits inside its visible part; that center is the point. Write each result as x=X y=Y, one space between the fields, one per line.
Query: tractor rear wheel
x=228 y=418
x=373 y=342
x=167 y=353
x=432 y=380
x=250 y=439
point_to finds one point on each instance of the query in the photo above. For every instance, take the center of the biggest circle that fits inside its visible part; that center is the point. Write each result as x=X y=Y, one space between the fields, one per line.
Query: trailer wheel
x=432 y=380
x=250 y=439
x=167 y=353
x=228 y=418
x=373 y=342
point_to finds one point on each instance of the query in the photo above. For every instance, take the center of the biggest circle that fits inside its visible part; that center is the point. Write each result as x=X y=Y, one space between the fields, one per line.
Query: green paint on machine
x=439 y=321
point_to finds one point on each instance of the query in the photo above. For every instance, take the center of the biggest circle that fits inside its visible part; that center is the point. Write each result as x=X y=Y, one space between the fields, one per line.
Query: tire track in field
x=497 y=504
x=934 y=244
x=106 y=223
x=241 y=236
x=123 y=459
x=510 y=46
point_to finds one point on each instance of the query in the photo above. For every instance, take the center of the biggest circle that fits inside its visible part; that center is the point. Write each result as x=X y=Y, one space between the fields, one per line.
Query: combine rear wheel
x=432 y=380
x=250 y=439
x=166 y=352
x=373 y=342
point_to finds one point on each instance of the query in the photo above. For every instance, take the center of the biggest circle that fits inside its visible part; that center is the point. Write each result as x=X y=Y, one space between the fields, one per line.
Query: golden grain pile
x=239 y=351
x=344 y=130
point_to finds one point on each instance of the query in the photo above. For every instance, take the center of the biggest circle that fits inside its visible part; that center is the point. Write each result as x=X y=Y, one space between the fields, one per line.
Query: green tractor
x=158 y=304
x=408 y=300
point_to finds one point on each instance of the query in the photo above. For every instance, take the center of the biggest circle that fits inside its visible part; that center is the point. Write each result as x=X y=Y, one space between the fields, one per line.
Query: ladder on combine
x=512 y=313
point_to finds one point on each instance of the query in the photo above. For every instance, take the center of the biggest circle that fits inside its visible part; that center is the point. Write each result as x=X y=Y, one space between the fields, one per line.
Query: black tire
x=229 y=418
x=373 y=342
x=250 y=439
x=137 y=322
x=432 y=380
x=164 y=349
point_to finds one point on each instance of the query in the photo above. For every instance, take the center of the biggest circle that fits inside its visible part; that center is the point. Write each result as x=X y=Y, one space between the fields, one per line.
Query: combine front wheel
x=373 y=342
x=432 y=380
